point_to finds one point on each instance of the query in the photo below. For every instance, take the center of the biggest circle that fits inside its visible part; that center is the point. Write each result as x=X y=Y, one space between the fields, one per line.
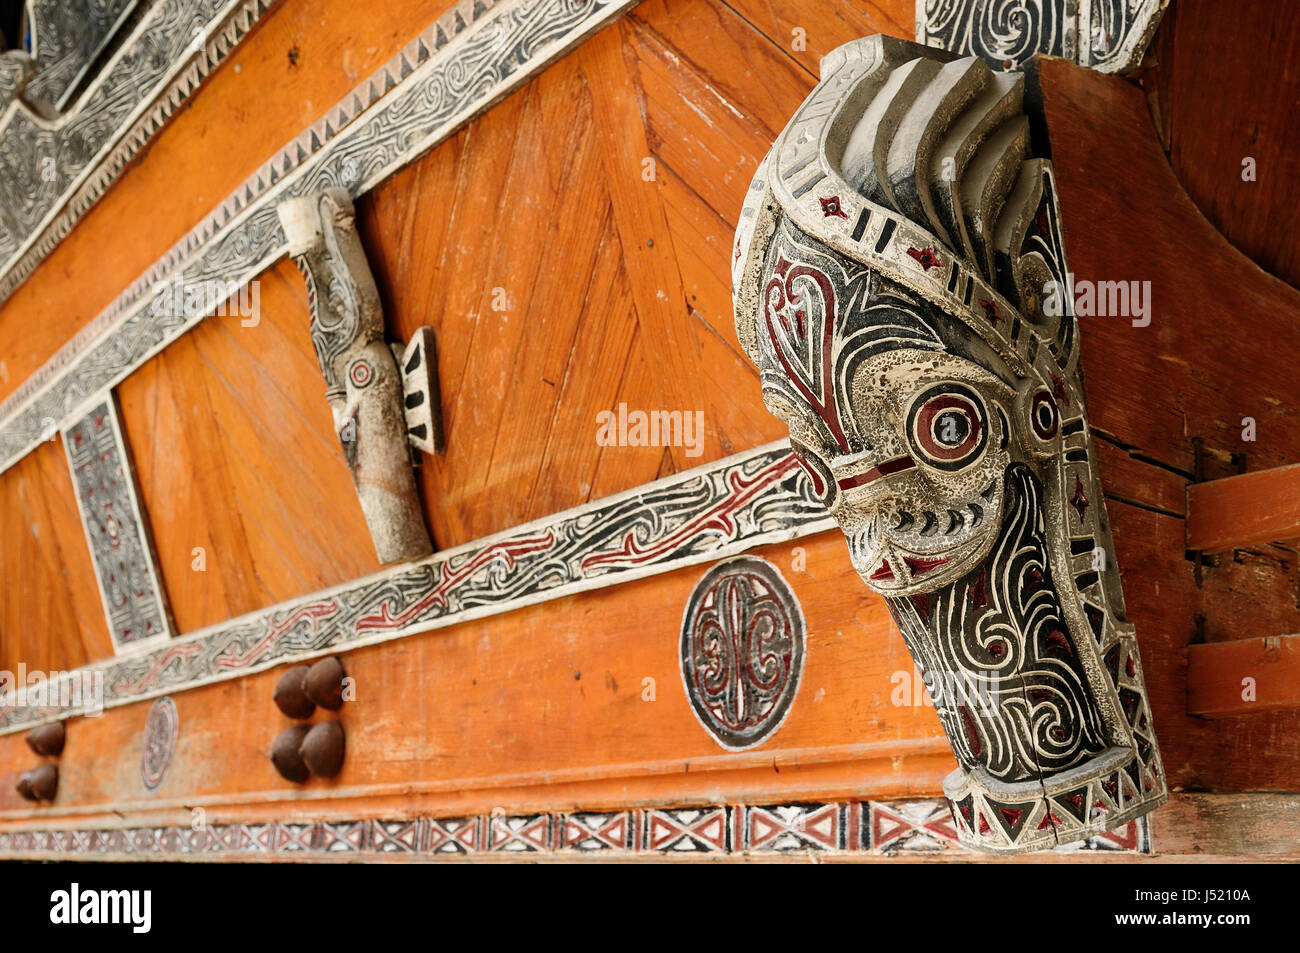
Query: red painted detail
x=1033 y=579
x=925 y=256
x=831 y=207
x=984 y=825
x=1059 y=391
x=777 y=295
x=884 y=573
x=978 y=592
x=965 y=812
x=819 y=485
x=919 y=567
x=1051 y=820
x=882 y=469
x=998 y=651
x=1079 y=502
x=1058 y=641
x=1130 y=667
x=990 y=311
x=925 y=421
x=1012 y=814
x=922 y=602
x=1040 y=695
x=972 y=735
x=1076 y=801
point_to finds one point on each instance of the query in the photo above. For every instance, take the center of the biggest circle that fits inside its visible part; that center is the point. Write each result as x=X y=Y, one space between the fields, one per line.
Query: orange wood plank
x=51 y=615
x=1243 y=676
x=1248 y=510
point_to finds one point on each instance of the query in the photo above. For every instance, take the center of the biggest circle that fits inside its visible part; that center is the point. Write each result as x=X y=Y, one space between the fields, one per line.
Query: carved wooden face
x=906 y=441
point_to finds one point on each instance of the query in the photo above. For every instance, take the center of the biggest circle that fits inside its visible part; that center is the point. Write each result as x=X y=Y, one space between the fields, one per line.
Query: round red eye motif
x=948 y=426
x=361 y=373
x=1043 y=416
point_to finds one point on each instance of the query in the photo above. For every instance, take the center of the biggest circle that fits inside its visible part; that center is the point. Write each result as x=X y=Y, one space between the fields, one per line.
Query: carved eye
x=948 y=426
x=1043 y=415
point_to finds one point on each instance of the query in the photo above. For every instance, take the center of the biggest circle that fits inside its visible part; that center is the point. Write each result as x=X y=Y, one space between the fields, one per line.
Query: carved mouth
x=897 y=552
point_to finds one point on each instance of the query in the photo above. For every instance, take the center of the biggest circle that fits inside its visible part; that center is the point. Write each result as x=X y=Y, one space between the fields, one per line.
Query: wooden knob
x=285 y=756
x=325 y=683
x=47 y=739
x=24 y=786
x=322 y=749
x=291 y=693
x=44 y=781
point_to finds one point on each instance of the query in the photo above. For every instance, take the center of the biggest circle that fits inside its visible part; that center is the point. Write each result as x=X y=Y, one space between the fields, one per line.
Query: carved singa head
x=893 y=276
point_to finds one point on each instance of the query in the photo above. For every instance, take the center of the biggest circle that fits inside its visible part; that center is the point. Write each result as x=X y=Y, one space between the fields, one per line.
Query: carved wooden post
x=362 y=381
x=900 y=281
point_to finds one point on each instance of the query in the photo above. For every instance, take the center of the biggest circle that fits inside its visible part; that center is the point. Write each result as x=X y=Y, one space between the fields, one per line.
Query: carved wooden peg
x=363 y=382
x=47 y=739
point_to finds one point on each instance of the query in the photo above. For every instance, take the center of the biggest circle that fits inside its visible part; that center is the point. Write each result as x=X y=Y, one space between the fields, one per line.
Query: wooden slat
x=1243 y=676
x=1252 y=509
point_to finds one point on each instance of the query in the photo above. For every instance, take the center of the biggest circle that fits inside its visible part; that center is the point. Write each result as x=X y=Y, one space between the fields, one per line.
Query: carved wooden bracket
x=894 y=271
x=379 y=411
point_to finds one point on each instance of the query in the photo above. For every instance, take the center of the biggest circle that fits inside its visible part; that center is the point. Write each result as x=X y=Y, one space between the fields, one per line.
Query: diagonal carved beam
x=117 y=532
x=54 y=168
x=472 y=56
x=363 y=383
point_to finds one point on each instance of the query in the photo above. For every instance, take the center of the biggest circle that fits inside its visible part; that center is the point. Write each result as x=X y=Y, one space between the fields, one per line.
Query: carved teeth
x=955 y=522
x=977 y=514
x=905 y=519
x=931 y=525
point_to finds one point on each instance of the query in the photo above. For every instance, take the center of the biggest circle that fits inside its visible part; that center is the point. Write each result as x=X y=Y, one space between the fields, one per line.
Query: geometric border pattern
x=879 y=828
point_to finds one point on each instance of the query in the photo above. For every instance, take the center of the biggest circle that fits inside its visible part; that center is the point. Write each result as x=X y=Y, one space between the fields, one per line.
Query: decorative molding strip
x=474 y=55
x=1106 y=35
x=117 y=532
x=747 y=500
x=52 y=170
x=881 y=829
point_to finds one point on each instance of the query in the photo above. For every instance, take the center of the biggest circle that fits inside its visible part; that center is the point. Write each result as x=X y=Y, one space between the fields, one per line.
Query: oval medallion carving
x=159 y=741
x=742 y=651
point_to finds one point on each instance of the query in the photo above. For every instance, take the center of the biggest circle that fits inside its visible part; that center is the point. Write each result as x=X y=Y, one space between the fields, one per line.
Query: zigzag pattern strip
x=887 y=829
x=697 y=516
